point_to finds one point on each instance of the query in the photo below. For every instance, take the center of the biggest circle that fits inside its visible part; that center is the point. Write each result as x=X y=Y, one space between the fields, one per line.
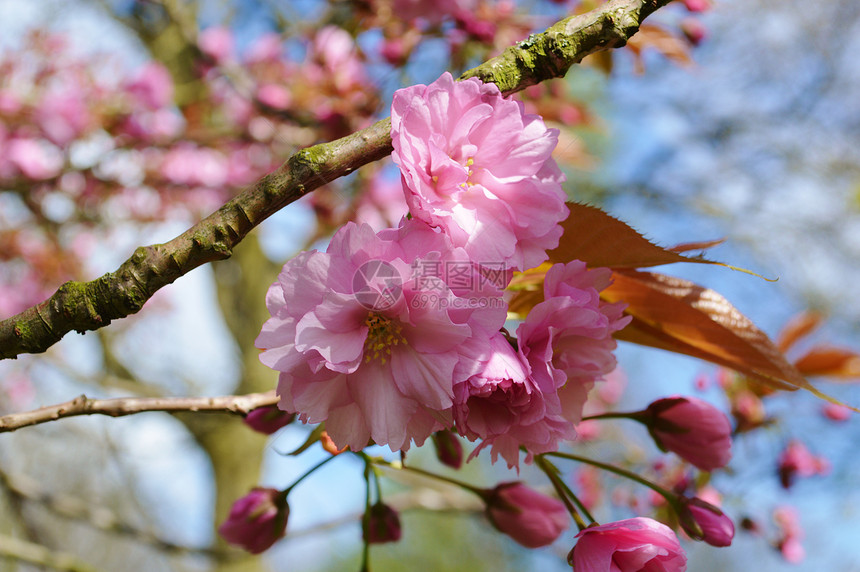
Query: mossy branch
x=82 y=306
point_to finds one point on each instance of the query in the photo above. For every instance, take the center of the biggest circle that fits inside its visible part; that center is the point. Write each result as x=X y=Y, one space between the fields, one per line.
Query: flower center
x=382 y=334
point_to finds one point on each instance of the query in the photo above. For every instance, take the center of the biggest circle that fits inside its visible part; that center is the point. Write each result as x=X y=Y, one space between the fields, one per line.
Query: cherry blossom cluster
x=393 y=335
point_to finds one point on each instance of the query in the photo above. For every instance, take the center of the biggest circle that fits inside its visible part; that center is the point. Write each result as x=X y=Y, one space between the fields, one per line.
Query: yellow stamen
x=383 y=333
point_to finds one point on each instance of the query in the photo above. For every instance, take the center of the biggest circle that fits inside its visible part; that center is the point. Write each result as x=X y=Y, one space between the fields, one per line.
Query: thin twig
x=98 y=517
x=120 y=407
x=83 y=306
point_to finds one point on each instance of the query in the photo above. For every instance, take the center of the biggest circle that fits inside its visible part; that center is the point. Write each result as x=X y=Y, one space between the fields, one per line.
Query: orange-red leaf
x=829 y=361
x=797 y=328
x=699 y=245
x=599 y=239
x=690 y=315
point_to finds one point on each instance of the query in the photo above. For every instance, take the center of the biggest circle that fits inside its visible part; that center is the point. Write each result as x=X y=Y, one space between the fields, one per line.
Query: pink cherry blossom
x=634 y=545
x=567 y=339
x=367 y=339
x=257 y=520
x=693 y=429
x=474 y=164
x=529 y=517
x=503 y=406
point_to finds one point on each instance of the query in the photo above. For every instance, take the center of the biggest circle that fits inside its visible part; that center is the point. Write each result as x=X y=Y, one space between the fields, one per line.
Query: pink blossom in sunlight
x=693 y=429
x=367 y=339
x=567 y=339
x=217 y=43
x=634 y=545
x=152 y=88
x=529 y=517
x=474 y=164
x=504 y=407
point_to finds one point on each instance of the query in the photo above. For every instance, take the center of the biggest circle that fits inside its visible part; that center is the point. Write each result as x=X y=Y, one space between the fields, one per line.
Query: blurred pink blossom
x=797 y=461
x=790 y=534
x=274 y=95
x=63 y=116
x=152 y=88
x=217 y=43
x=836 y=412
x=189 y=165
x=35 y=159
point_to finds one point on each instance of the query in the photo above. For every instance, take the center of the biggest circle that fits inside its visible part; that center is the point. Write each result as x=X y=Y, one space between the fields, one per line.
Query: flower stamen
x=383 y=333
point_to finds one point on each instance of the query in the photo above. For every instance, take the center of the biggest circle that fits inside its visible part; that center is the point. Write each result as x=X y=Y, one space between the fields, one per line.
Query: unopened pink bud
x=693 y=429
x=268 y=419
x=529 y=517
x=382 y=525
x=715 y=527
x=449 y=450
x=257 y=520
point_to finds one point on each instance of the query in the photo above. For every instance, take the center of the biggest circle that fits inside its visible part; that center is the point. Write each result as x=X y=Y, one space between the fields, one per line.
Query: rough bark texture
x=83 y=306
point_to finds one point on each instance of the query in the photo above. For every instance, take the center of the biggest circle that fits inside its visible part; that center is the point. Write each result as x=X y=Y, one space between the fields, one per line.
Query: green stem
x=401 y=467
x=633 y=415
x=365 y=520
x=564 y=492
x=671 y=497
x=311 y=470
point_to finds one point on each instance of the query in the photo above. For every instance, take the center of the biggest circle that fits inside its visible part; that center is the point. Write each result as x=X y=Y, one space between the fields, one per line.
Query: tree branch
x=83 y=306
x=17 y=549
x=120 y=407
